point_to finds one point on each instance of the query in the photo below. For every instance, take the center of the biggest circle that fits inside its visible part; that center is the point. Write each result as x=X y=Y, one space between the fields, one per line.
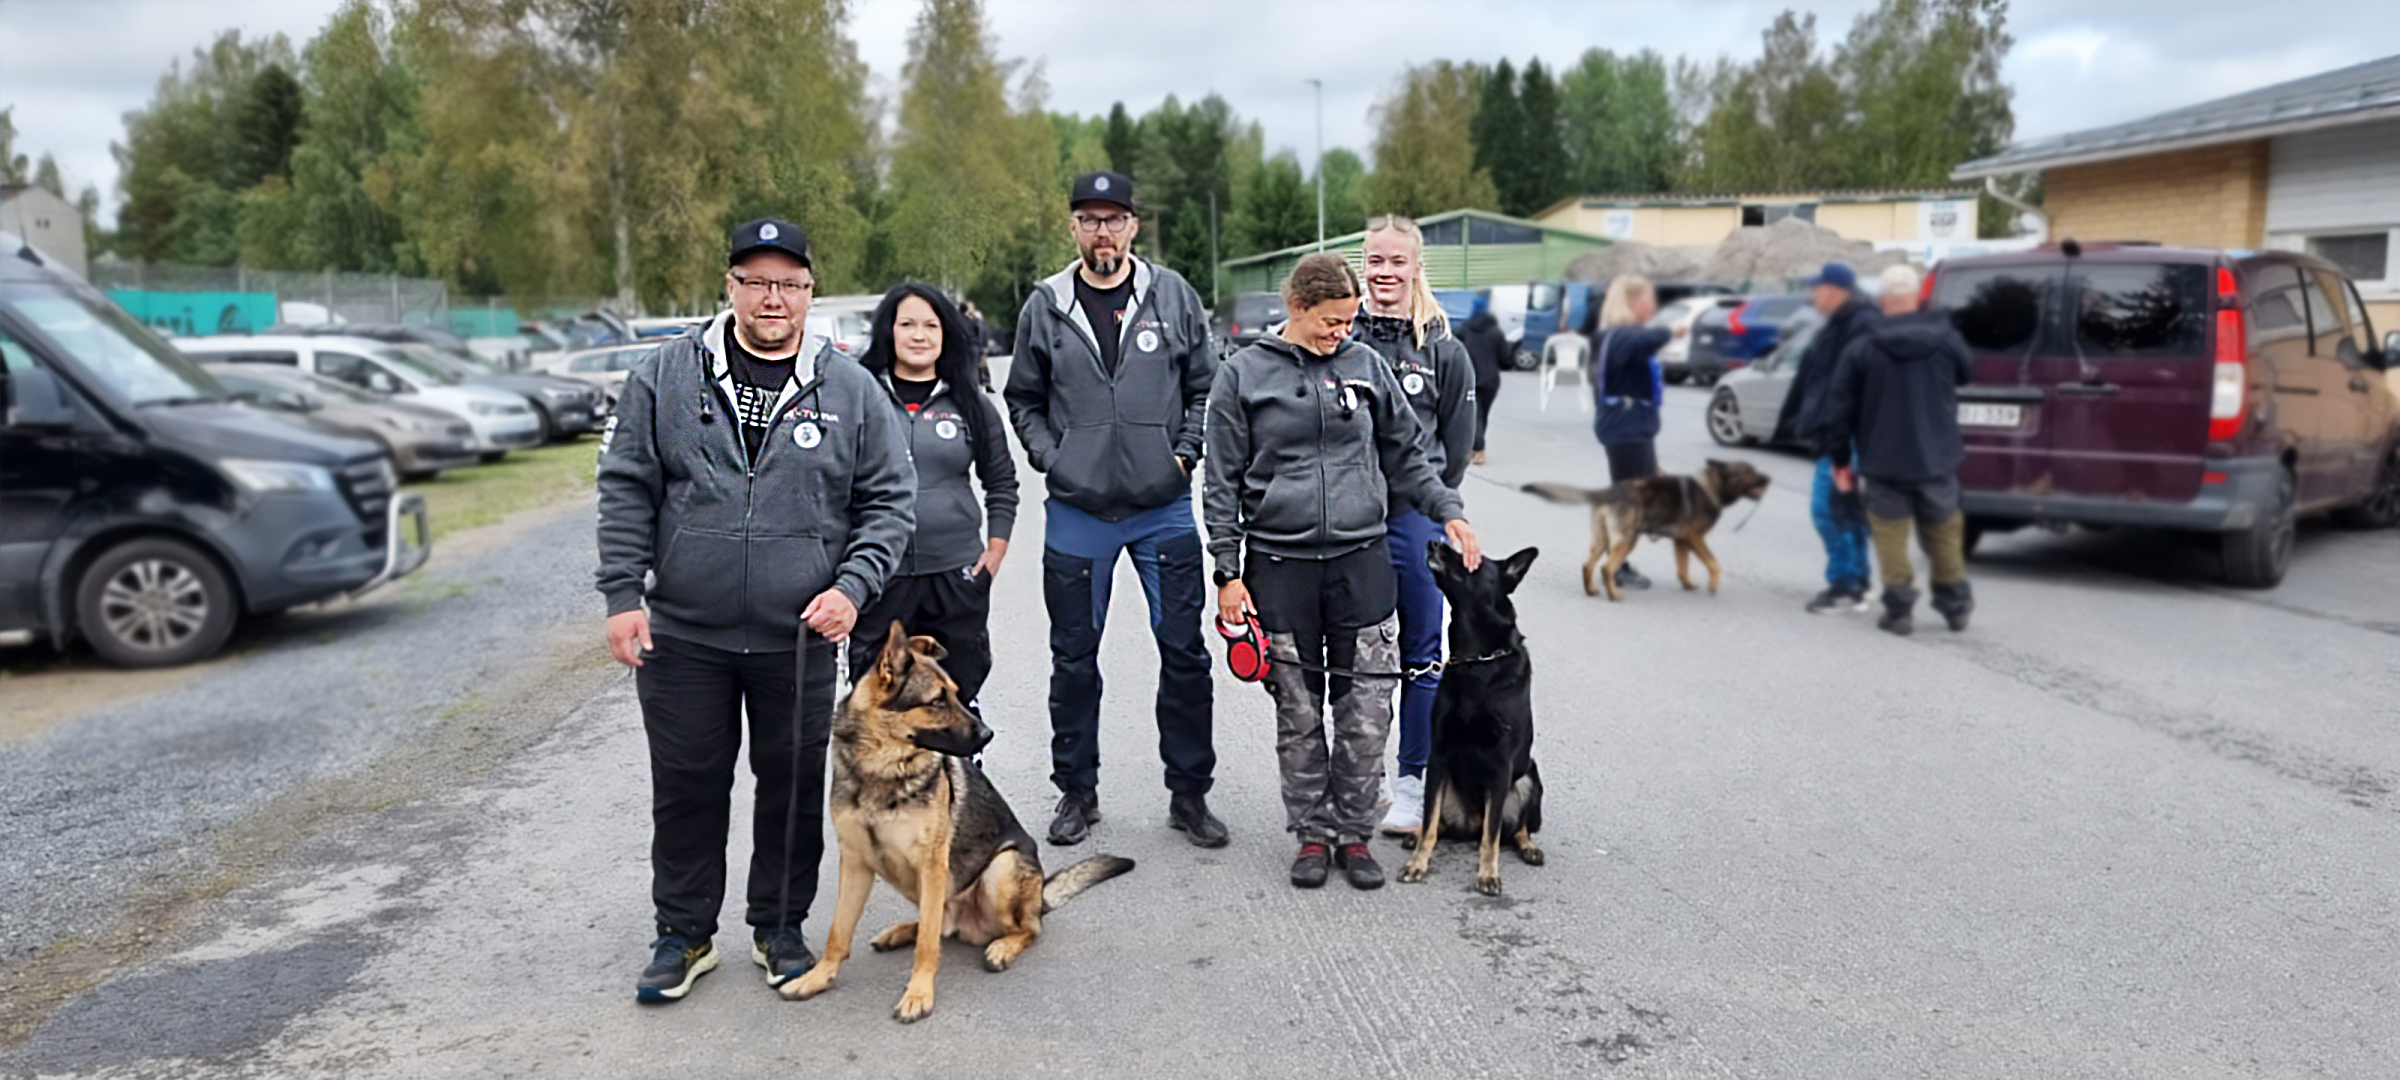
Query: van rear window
x=1997 y=309
x=2134 y=310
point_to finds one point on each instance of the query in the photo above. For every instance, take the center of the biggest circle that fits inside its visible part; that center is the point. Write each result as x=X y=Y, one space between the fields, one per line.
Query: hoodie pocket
x=1152 y=474
x=700 y=578
x=786 y=572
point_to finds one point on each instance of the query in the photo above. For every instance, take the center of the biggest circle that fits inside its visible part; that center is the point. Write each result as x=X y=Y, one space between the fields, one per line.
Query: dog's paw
x=1532 y=856
x=1412 y=874
x=914 y=1005
x=1488 y=886
x=812 y=982
x=1001 y=953
x=895 y=936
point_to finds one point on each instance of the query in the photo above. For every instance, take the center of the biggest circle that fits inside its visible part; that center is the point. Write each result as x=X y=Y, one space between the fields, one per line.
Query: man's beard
x=768 y=336
x=1103 y=265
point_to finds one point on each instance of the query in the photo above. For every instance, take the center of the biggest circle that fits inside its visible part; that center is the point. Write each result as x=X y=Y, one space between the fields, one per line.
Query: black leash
x=1434 y=668
x=791 y=808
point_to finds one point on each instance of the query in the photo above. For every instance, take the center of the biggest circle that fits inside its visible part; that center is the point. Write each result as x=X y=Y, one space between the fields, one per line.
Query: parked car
x=1743 y=408
x=567 y=408
x=653 y=329
x=503 y=421
x=143 y=510
x=846 y=324
x=1679 y=317
x=1247 y=318
x=421 y=439
x=1726 y=338
x=2220 y=392
x=605 y=367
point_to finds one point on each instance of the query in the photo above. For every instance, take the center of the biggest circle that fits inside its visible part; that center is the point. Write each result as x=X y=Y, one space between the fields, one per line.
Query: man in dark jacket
x=1841 y=522
x=754 y=490
x=1487 y=347
x=1894 y=397
x=1109 y=392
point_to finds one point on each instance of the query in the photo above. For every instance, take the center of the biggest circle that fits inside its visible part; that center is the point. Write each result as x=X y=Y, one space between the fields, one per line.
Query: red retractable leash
x=1245 y=648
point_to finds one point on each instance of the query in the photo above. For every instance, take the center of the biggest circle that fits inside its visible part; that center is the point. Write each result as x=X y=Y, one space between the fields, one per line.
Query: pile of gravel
x=1756 y=256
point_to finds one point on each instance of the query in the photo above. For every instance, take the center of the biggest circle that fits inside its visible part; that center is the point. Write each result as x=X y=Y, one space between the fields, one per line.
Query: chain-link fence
x=235 y=299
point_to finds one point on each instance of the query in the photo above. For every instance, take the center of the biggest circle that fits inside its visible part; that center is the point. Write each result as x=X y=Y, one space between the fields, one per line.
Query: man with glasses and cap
x=755 y=490
x=1108 y=389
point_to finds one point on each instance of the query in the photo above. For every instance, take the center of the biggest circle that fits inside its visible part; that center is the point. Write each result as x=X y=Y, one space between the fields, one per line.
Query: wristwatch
x=1227 y=575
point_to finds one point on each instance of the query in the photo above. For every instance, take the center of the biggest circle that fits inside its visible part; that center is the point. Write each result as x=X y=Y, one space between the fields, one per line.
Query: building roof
x=1737 y=198
x=1332 y=242
x=2352 y=95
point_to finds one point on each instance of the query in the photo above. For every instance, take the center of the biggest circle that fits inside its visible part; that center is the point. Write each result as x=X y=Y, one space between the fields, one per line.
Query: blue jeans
x=1407 y=533
x=1841 y=522
x=1079 y=562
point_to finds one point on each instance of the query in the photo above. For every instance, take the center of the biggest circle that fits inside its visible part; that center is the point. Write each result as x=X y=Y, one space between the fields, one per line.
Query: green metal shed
x=1464 y=249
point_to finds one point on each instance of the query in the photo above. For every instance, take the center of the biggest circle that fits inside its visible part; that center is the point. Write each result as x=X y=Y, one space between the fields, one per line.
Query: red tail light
x=1733 y=322
x=1925 y=291
x=1236 y=329
x=2229 y=391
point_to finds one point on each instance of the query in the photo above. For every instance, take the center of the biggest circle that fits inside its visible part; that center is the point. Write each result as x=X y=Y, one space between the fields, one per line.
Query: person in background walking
x=923 y=354
x=1403 y=322
x=754 y=489
x=1309 y=439
x=1627 y=386
x=1840 y=518
x=1109 y=391
x=1894 y=397
x=979 y=339
x=1487 y=348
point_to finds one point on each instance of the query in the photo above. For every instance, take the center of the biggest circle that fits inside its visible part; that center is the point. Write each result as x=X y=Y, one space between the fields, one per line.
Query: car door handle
x=2089 y=389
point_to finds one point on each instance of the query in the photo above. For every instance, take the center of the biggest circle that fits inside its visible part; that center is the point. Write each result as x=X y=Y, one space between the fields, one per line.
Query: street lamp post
x=1320 y=85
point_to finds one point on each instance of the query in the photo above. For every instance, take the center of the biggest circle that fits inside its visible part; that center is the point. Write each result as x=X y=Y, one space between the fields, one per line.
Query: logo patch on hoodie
x=807 y=434
x=1146 y=341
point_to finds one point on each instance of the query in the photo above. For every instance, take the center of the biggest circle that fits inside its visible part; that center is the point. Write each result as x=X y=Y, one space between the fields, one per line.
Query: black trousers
x=693 y=700
x=1484 y=396
x=953 y=607
x=1630 y=461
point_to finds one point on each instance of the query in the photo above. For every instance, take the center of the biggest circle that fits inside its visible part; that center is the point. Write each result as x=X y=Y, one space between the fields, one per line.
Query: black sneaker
x=1077 y=810
x=1897 y=622
x=1837 y=600
x=1188 y=813
x=783 y=952
x=675 y=964
x=1358 y=864
x=1310 y=868
x=1630 y=578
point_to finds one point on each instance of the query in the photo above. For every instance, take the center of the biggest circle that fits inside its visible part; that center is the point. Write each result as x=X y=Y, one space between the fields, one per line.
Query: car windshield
x=418 y=366
x=1672 y=313
x=1259 y=311
x=118 y=350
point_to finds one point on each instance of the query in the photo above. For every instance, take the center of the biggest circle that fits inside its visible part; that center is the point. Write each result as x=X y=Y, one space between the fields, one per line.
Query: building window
x=1501 y=232
x=2361 y=256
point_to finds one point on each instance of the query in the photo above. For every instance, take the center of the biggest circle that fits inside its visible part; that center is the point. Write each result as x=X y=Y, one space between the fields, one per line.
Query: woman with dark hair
x=1310 y=436
x=923 y=355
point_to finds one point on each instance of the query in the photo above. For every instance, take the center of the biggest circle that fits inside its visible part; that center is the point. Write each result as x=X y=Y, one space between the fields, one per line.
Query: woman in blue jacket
x=1629 y=385
x=924 y=357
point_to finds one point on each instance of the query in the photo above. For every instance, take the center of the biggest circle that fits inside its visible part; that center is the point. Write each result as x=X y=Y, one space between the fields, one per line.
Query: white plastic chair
x=1558 y=365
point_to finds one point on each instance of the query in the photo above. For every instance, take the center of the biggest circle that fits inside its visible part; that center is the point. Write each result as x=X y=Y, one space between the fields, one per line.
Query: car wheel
x=154 y=602
x=1524 y=361
x=1725 y=420
x=543 y=430
x=1675 y=377
x=2381 y=510
x=2256 y=557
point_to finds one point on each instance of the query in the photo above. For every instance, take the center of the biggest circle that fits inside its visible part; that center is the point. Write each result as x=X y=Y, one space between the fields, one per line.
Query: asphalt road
x=2131 y=824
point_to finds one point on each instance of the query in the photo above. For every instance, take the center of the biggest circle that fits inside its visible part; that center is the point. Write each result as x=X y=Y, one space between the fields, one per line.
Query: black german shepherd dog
x=1480 y=780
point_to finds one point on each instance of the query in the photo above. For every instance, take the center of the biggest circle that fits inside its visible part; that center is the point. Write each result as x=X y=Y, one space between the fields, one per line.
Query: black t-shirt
x=913 y=393
x=756 y=385
x=1105 y=308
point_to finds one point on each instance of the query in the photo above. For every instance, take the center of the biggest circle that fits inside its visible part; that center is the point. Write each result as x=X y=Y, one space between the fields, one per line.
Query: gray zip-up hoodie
x=736 y=550
x=1108 y=443
x=942 y=445
x=1307 y=452
x=1439 y=379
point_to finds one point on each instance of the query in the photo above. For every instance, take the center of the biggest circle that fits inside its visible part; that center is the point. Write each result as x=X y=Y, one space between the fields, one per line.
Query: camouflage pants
x=1330 y=785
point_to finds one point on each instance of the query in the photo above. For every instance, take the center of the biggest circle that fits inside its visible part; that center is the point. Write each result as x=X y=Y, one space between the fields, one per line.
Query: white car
x=1680 y=317
x=503 y=421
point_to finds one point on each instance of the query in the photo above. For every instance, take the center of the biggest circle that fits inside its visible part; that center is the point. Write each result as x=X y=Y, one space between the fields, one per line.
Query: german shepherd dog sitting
x=1480 y=779
x=911 y=807
x=1678 y=508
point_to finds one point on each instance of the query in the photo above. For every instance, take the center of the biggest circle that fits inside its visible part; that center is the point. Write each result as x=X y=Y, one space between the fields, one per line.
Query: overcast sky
x=72 y=68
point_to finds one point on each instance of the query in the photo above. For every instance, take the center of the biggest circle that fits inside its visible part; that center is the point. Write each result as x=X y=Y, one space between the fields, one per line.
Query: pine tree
x=1542 y=143
x=1424 y=154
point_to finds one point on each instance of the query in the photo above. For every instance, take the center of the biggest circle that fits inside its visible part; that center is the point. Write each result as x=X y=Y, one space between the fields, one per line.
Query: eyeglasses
x=1381 y=222
x=1114 y=223
x=765 y=287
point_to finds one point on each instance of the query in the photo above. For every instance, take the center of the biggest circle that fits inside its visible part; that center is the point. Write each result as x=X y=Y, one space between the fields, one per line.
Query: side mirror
x=382 y=383
x=37 y=400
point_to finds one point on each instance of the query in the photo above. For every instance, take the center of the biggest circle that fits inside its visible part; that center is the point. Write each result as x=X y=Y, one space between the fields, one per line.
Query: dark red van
x=2225 y=392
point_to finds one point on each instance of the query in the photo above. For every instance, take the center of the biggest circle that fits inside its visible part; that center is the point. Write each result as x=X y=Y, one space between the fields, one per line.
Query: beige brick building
x=1914 y=217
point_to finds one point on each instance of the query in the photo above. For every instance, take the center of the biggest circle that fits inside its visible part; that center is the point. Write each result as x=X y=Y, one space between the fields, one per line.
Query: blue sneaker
x=783 y=952
x=675 y=964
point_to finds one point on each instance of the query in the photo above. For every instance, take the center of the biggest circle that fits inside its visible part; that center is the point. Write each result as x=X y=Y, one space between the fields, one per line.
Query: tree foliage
x=1617 y=124
x=963 y=168
x=1424 y=154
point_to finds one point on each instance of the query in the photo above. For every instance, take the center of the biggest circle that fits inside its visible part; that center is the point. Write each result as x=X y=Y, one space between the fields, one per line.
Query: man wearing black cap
x=755 y=490
x=1109 y=390
x=1840 y=517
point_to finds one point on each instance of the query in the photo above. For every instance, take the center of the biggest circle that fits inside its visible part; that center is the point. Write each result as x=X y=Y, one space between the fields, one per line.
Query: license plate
x=1978 y=414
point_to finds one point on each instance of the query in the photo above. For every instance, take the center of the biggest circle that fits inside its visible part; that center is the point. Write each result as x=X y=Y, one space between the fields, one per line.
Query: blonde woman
x=1627 y=386
x=1403 y=323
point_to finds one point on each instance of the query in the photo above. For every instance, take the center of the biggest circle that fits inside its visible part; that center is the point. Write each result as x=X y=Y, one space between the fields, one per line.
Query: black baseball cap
x=1103 y=186
x=767 y=234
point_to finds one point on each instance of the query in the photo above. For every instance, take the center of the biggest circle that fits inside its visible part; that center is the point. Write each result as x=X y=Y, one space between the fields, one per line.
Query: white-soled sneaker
x=1408 y=806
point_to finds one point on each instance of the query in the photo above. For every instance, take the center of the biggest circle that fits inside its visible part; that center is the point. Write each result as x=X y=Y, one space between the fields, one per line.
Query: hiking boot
x=1188 y=813
x=1837 y=600
x=783 y=952
x=1955 y=601
x=676 y=962
x=1897 y=605
x=1077 y=810
x=1408 y=806
x=1358 y=864
x=1630 y=578
x=1310 y=868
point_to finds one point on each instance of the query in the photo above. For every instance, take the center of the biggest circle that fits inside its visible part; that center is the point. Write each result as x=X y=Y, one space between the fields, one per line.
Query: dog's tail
x=1572 y=496
x=1064 y=885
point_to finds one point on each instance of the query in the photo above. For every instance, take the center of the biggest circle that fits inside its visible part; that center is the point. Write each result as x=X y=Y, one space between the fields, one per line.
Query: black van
x=144 y=510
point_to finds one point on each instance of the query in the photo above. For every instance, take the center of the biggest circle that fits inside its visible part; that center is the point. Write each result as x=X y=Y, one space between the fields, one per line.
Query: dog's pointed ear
x=893 y=661
x=928 y=648
x=1513 y=568
x=1444 y=560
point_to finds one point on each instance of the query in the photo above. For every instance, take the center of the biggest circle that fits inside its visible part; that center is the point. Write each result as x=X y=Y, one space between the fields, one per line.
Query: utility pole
x=1320 y=85
x=1215 y=295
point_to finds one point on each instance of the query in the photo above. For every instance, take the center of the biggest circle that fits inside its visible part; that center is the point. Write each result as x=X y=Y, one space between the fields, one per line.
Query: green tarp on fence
x=193 y=314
